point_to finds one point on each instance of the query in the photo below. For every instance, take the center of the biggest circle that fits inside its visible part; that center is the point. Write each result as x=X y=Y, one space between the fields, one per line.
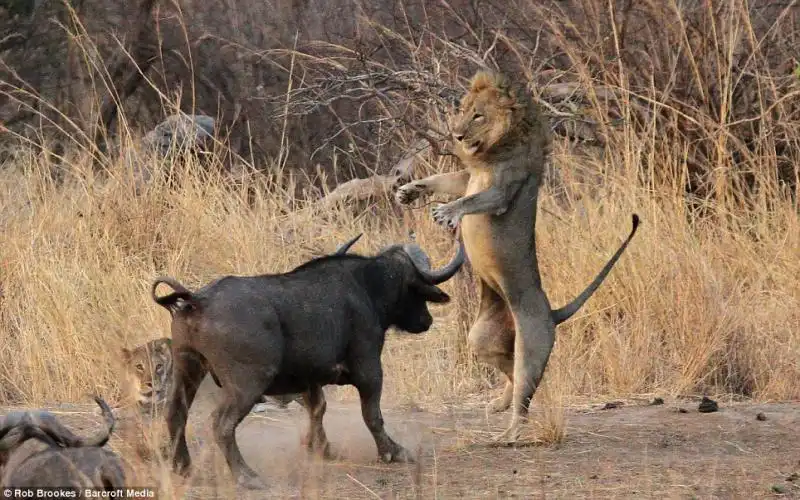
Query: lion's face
x=486 y=114
x=148 y=370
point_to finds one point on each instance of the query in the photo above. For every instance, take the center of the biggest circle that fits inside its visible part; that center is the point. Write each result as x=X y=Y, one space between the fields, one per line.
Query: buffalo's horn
x=13 y=421
x=46 y=427
x=344 y=247
x=422 y=263
x=57 y=431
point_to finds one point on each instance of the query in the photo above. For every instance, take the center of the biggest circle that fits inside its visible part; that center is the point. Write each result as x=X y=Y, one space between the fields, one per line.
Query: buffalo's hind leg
x=244 y=389
x=316 y=440
x=369 y=390
x=188 y=373
x=532 y=347
x=491 y=339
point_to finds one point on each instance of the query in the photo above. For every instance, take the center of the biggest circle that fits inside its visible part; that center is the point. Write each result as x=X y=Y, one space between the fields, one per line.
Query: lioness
x=148 y=373
x=503 y=140
x=148 y=379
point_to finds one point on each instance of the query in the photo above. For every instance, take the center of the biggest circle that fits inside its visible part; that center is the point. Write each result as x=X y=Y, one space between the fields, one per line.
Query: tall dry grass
x=694 y=305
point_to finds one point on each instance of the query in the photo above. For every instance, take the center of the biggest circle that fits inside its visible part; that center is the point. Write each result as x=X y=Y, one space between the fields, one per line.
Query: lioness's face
x=484 y=117
x=148 y=368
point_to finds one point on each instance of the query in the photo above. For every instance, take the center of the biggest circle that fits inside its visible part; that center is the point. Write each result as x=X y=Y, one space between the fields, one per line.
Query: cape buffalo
x=59 y=458
x=322 y=323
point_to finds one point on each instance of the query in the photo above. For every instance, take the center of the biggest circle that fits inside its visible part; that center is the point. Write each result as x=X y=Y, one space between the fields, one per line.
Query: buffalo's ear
x=432 y=293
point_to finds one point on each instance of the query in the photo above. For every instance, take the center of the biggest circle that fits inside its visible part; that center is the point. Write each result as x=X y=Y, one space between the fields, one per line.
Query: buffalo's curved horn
x=45 y=426
x=344 y=247
x=14 y=420
x=101 y=438
x=422 y=263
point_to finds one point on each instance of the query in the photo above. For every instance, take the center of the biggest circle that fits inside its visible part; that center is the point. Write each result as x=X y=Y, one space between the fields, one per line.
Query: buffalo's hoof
x=250 y=482
x=329 y=454
x=400 y=455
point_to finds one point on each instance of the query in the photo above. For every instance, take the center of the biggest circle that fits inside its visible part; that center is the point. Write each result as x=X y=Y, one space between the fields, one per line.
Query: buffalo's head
x=417 y=285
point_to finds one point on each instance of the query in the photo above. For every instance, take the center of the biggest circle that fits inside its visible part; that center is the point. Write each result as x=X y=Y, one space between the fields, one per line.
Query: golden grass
x=691 y=305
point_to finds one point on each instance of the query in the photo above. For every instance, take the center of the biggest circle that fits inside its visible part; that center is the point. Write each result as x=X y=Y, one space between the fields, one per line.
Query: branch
x=128 y=71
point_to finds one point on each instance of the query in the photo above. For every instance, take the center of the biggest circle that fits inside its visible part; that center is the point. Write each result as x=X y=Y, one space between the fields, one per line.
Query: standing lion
x=503 y=140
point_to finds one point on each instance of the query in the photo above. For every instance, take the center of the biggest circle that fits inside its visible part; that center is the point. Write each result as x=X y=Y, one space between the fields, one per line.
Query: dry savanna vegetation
x=686 y=113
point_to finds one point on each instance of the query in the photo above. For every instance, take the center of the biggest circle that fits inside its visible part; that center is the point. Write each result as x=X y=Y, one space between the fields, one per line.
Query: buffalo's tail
x=175 y=301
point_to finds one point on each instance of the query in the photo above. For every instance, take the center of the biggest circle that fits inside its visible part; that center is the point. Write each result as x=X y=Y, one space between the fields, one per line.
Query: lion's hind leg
x=491 y=339
x=532 y=347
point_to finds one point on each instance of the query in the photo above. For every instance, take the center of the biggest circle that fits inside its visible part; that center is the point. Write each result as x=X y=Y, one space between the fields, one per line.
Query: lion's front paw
x=446 y=215
x=407 y=193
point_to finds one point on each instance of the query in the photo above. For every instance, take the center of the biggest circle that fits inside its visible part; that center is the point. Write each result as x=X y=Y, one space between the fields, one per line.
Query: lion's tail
x=566 y=312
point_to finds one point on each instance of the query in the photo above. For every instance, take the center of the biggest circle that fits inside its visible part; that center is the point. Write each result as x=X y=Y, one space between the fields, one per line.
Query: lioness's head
x=148 y=371
x=487 y=115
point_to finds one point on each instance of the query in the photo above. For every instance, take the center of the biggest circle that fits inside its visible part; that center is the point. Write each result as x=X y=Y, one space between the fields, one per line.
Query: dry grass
x=691 y=306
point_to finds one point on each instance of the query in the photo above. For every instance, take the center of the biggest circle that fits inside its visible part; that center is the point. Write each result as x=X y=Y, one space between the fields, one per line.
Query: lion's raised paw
x=407 y=193
x=445 y=215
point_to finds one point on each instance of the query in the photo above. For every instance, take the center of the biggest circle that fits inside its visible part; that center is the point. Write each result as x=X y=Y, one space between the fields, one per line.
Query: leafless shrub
x=354 y=84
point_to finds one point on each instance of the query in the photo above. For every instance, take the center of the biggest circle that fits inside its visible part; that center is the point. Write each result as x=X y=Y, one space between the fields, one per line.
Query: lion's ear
x=125 y=353
x=508 y=100
x=502 y=83
x=514 y=96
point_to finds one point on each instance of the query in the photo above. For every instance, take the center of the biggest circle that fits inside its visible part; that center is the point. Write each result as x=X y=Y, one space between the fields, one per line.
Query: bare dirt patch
x=632 y=450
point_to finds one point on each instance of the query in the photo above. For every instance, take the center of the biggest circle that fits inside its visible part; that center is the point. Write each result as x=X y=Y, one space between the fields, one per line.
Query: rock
x=181 y=131
x=259 y=408
x=657 y=401
x=707 y=405
x=761 y=417
x=611 y=405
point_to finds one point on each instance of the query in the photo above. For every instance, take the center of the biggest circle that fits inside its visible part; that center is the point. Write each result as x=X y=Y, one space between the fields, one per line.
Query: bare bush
x=354 y=84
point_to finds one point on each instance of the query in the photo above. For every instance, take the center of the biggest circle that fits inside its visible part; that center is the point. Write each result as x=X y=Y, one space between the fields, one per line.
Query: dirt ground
x=635 y=450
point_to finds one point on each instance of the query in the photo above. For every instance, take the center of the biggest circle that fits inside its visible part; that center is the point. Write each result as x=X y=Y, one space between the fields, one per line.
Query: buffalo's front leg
x=369 y=390
x=315 y=440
